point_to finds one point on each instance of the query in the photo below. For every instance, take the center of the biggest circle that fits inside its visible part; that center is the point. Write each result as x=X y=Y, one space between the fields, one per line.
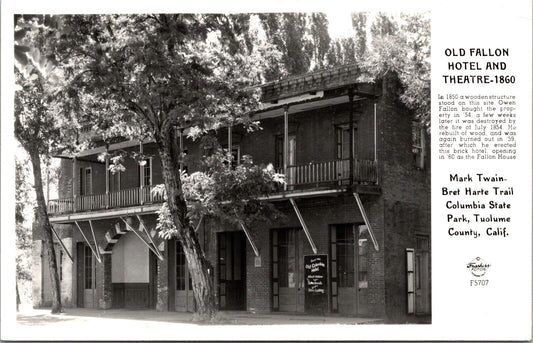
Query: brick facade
x=398 y=213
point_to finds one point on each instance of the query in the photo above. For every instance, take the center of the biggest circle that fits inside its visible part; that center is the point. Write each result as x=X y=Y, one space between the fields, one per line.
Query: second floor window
x=114 y=182
x=279 y=147
x=86 y=181
x=145 y=172
x=342 y=136
x=419 y=144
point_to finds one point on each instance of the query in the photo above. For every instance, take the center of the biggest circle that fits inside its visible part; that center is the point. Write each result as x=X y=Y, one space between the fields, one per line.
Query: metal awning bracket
x=304 y=226
x=96 y=253
x=367 y=222
x=62 y=243
x=199 y=223
x=141 y=223
x=155 y=251
x=247 y=233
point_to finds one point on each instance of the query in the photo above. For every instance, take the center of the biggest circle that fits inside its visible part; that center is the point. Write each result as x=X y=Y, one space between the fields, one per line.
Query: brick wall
x=406 y=196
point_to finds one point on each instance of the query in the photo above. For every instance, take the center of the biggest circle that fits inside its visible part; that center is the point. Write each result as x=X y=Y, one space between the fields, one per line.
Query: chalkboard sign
x=316 y=283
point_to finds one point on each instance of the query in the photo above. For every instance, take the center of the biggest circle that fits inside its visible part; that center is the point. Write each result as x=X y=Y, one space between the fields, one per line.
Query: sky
x=340 y=23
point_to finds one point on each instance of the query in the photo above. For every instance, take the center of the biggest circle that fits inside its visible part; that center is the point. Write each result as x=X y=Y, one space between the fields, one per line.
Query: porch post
x=285 y=143
x=350 y=97
x=106 y=178
x=141 y=176
x=74 y=169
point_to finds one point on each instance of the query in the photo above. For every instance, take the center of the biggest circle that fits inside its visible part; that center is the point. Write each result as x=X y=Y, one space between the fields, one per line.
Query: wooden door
x=232 y=270
x=152 y=281
x=342 y=134
x=422 y=298
x=287 y=270
x=85 y=276
x=79 y=274
x=343 y=252
x=184 y=293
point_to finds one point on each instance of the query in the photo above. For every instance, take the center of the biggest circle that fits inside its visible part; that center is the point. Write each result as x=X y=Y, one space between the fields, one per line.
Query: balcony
x=332 y=174
x=317 y=174
x=93 y=202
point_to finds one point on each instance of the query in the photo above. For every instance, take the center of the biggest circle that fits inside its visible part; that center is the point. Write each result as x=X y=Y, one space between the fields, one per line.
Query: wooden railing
x=123 y=198
x=317 y=173
x=329 y=173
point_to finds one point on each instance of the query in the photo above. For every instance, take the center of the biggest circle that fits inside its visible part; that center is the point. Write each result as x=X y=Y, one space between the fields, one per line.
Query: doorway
x=422 y=296
x=232 y=270
x=86 y=281
x=342 y=153
x=184 y=292
x=288 y=293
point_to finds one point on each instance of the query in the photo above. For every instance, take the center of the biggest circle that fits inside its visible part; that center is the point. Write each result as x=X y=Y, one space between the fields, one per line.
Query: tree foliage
x=402 y=45
x=22 y=227
x=148 y=76
x=227 y=193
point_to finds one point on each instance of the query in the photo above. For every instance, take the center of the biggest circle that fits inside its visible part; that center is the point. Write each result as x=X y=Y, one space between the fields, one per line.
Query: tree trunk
x=18 y=296
x=198 y=265
x=44 y=223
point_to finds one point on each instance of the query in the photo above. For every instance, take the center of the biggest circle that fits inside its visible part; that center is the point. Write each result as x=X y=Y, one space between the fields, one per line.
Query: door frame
x=242 y=239
x=299 y=240
x=81 y=250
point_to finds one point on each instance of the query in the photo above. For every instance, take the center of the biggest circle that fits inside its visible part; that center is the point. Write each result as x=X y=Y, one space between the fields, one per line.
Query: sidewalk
x=121 y=324
x=44 y=317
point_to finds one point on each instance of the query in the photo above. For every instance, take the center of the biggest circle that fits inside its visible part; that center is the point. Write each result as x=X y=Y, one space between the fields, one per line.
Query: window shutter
x=410 y=254
x=334 y=269
x=275 y=271
x=419 y=144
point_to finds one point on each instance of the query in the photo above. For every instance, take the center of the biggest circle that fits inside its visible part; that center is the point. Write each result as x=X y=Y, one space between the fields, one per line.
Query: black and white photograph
x=192 y=173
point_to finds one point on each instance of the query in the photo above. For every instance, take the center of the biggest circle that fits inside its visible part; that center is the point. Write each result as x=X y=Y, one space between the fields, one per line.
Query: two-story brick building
x=358 y=191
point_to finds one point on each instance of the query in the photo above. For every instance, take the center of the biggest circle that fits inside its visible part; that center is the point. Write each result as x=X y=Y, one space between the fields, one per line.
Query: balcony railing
x=123 y=198
x=316 y=174
x=335 y=171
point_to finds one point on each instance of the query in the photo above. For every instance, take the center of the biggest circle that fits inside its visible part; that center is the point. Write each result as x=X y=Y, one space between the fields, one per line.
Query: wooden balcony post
x=285 y=143
x=141 y=175
x=106 y=179
x=350 y=97
x=74 y=168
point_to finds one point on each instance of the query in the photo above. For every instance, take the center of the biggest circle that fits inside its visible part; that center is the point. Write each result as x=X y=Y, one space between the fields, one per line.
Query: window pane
x=181 y=267
x=88 y=267
x=345 y=255
x=363 y=242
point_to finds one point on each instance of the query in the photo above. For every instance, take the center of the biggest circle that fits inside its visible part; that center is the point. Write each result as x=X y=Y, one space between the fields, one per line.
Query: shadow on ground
x=41 y=319
x=38 y=317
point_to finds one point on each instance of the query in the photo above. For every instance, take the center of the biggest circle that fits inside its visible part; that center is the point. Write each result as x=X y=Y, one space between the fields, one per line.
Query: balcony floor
x=104 y=214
